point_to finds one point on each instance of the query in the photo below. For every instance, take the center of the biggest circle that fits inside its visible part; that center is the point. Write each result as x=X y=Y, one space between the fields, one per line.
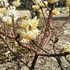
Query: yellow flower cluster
x=8 y=13
x=7 y=20
x=68 y=3
x=30 y=24
x=2 y=10
x=29 y=28
x=65 y=32
x=30 y=35
x=38 y=5
x=52 y=1
x=67 y=48
x=41 y=5
x=4 y=3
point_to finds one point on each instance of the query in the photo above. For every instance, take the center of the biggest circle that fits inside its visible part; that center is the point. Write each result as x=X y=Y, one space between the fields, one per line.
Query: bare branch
x=54 y=55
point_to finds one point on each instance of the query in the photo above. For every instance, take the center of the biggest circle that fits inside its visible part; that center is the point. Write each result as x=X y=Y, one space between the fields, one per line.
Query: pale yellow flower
x=40 y=11
x=24 y=23
x=26 y=41
x=52 y=1
x=6 y=4
x=30 y=35
x=2 y=10
x=41 y=5
x=68 y=3
x=23 y=17
x=16 y=4
x=65 y=32
x=54 y=12
x=35 y=7
x=11 y=11
x=29 y=28
x=1 y=15
x=7 y=20
x=67 y=47
x=34 y=23
x=31 y=24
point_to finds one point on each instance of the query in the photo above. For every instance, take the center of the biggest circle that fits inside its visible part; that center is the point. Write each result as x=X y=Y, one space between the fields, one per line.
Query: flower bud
x=1 y=15
x=54 y=12
x=23 y=25
x=7 y=20
x=16 y=4
x=29 y=28
x=65 y=32
x=41 y=5
x=67 y=48
x=35 y=7
x=30 y=35
x=6 y=4
x=40 y=11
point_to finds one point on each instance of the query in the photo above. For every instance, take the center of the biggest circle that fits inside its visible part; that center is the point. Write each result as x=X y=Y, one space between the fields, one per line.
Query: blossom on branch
x=2 y=10
x=29 y=28
x=55 y=12
x=4 y=3
x=7 y=20
x=11 y=11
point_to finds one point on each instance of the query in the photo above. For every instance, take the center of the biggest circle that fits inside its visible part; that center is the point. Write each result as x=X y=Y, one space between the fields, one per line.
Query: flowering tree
x=23 y=32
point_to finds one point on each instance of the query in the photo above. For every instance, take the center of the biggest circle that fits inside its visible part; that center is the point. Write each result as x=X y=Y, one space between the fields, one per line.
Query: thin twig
x=59 y=28
x=54 y=55
x=67 y=59
x=14 y=26
x=14 y=52
x=38 y=46
x=26 y=46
